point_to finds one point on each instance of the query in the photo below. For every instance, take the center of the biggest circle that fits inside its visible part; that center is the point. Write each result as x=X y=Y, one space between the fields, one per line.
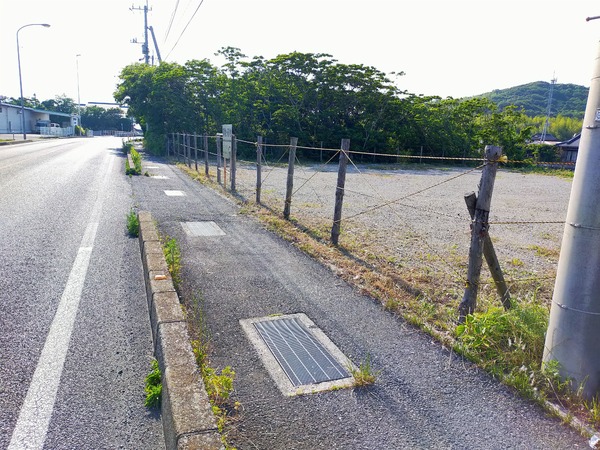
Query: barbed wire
x=453 y=271
x=420 y=191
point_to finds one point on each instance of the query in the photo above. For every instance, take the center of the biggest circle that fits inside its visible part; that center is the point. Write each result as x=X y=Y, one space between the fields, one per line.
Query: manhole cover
x=298 y=355
x=175 y=193
x=199 y=229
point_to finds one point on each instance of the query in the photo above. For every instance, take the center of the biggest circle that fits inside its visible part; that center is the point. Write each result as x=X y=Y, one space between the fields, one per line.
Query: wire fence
x=412 y=219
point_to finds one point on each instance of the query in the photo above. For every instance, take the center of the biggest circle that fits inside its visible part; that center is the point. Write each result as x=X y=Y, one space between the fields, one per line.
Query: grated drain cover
x=199 y=229
x=309 y=360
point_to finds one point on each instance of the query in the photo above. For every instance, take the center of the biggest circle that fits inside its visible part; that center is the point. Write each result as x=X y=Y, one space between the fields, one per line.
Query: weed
x=544 y=251
x=137 y=161
x=173 y=258
x=127 y=147
x=364 y=374
x=133 y=224
x=153 y=386
x=516 y=262
x=594 y=411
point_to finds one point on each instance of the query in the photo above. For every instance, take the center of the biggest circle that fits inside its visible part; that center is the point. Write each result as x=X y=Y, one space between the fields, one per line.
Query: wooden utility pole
x=339 y=192
x=479 y=230
x=290 y=177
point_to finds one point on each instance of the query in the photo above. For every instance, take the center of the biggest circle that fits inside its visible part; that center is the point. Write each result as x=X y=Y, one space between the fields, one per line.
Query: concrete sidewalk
x=424 y=397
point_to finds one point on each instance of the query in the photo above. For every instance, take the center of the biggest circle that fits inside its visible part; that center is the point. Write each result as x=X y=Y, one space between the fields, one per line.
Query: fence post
x=188 y=138
x=339 y=192
x=258 y=168
x=196 y=151
x=206 y=155
x=479 y=230
x=233 y=161
x=290 y=178
x=218 y=159
x=490 y=256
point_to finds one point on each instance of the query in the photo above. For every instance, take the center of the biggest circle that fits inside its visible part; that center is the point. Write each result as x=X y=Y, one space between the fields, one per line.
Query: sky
x=451 y=48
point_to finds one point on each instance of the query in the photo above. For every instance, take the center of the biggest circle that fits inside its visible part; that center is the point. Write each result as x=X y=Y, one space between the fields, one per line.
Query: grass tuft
x=153 y=387
x=133 y=224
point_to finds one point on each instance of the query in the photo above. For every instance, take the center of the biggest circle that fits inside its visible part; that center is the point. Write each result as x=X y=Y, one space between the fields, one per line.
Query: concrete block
x=210 y=441
x=165 y=307
x=145 y=216
x=173 y=347
x=185 y=406
x=148 y=232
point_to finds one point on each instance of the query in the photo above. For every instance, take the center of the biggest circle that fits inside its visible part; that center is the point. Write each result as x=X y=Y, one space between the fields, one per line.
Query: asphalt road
x=425 y=397
x=75 y=342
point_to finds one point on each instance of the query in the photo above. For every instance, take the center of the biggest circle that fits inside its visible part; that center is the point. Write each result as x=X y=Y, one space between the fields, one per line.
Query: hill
x=567 y=99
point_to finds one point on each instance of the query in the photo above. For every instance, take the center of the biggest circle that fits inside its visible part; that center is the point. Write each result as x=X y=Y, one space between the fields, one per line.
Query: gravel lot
x=426 y=228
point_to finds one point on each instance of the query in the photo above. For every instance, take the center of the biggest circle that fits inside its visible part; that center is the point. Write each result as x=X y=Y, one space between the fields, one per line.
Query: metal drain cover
x=298 y=355
x=199 y=229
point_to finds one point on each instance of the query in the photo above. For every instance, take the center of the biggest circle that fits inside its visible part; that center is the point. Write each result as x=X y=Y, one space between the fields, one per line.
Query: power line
x=185 y=28
x=171 y=21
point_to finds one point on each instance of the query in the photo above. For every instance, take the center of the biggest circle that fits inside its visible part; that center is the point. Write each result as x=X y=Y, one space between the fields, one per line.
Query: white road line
x=34 y=418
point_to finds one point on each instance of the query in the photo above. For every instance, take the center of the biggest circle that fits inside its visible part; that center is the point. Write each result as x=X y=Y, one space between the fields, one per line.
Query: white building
x=10 y=118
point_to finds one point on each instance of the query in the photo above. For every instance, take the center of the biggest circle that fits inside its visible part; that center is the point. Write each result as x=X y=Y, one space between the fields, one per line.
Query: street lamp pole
x=45 y=25
x=78 y=98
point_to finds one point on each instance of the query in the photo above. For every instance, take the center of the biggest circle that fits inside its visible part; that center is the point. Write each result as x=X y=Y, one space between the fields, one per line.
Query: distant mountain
x=567 y=99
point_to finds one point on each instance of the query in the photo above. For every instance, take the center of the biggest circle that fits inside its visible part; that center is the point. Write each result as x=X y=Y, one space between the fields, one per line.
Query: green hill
x=567 y=99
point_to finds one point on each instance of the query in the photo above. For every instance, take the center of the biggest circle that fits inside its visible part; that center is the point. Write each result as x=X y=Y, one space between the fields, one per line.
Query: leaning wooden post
x=490 y=256
x=233 y=161
x=218 y=159
x=339 y=192
x=479 y=230
x=290 y=178
x=206 y=155
x=258 y=168
x=196 y=151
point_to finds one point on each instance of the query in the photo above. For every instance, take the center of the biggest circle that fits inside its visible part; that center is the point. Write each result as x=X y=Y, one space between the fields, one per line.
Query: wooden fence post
x=258 y=168
x=233 y=161
x=196 y=151
x=290 y=178
x=490 y=256
x=206 y=154
x=479 y=230
x=188 y=139
x=339 y=192
x=218 y=159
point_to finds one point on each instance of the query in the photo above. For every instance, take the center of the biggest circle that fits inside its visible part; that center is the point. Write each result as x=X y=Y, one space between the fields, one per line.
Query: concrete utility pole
x=573 y=337
x=145 y=47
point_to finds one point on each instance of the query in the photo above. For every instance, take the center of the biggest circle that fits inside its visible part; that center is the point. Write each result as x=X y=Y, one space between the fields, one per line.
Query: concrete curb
x=187 y=417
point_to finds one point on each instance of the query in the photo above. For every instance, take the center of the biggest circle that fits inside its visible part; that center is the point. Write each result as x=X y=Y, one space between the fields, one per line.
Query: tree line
x=317 y=99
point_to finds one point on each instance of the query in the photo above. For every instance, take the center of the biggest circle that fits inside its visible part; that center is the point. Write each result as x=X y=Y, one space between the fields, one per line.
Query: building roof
x=42 y=111
x=573 y=142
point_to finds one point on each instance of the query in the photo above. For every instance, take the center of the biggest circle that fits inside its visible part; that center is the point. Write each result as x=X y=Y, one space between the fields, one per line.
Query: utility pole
x=548 y=111
x=145 y=47
x=573 y=337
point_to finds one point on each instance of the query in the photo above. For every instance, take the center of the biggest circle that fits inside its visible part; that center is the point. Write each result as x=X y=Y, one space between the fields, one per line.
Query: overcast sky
x=445 y=47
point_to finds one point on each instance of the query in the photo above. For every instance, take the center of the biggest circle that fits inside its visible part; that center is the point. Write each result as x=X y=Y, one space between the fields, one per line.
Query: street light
x=45 y=25
x=78 y=98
